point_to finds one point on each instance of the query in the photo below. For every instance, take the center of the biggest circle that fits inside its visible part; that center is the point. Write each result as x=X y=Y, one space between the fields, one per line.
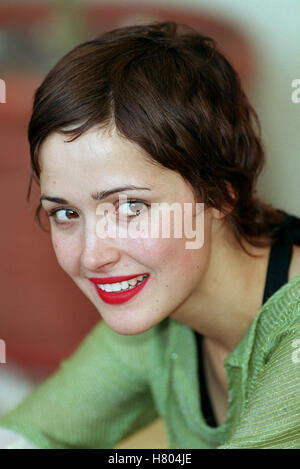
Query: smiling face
x=96 y=162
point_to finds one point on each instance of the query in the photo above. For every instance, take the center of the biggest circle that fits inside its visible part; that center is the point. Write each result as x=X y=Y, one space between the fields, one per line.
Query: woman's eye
x=132 y=208
x=63 y=215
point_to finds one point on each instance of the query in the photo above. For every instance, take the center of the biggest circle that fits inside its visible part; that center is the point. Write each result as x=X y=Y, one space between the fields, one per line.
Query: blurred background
x=43 y=316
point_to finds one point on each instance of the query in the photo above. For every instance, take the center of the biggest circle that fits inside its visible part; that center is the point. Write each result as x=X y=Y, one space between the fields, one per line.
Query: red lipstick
x=116 y=298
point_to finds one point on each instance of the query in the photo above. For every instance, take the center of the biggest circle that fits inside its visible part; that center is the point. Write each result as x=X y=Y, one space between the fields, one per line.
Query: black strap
x=206 y=406
x=280 y=258
x=281 y=254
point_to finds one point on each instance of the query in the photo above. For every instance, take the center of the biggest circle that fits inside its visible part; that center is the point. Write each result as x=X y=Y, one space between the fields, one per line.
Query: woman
x=206 y=336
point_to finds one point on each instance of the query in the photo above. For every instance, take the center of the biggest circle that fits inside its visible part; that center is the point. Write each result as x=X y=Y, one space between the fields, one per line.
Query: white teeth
x=133 y=281
x=121 y=286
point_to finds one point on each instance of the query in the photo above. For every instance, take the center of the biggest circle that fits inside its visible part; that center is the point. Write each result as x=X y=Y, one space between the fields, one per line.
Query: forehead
x=95 y=147
x=99 y=159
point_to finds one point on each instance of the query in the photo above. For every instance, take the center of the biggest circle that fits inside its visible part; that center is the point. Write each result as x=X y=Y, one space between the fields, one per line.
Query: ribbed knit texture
x=115 y=384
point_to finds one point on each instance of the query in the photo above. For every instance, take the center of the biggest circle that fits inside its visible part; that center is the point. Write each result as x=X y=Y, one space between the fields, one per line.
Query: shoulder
x=277 y=325
x=283 y=300
x=287 y=328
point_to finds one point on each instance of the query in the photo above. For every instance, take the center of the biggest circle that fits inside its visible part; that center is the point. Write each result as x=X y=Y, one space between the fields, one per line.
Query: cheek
x=149 y=252
x=67 y=253
x=165 y=255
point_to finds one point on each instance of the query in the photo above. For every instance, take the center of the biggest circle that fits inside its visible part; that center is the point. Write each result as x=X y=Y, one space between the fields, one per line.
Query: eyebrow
x=99 y=195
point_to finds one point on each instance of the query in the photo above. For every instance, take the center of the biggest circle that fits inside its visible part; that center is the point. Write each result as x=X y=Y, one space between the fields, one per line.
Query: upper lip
x=104 y=280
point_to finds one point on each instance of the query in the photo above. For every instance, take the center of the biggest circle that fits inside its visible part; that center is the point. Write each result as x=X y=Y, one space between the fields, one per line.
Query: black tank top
x=277 y=276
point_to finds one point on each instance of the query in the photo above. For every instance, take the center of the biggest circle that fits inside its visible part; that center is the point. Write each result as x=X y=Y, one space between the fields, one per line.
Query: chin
x=129 y=327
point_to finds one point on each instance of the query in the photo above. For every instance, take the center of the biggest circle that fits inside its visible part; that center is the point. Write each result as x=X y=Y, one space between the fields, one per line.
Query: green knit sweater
x=115 y=384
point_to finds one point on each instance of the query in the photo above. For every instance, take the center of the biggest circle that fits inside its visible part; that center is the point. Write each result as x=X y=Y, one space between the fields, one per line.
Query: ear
x=227 y=208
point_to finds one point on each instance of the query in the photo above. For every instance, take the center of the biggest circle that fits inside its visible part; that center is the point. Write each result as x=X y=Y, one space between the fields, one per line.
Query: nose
x=98 y=254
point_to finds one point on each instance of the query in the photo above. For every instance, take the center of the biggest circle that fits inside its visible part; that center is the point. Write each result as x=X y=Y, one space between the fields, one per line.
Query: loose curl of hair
x=174 y=94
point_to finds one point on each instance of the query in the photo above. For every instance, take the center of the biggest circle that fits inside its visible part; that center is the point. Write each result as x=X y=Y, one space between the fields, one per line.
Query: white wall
x=274 y=27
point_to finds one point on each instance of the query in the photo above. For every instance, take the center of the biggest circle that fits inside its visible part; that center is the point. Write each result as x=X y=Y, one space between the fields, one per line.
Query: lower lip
x=117 y=298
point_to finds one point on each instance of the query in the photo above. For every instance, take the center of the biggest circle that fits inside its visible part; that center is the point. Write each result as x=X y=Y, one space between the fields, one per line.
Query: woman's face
x=96 y=162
